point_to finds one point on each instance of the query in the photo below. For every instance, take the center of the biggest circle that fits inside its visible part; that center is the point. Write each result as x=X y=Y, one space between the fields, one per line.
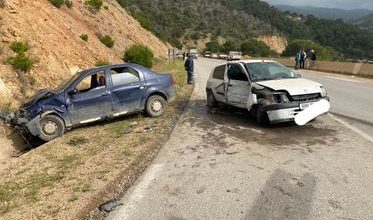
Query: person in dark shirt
x=189 y=67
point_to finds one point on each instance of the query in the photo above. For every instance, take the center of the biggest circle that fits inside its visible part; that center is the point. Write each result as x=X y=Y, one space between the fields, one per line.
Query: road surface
x=221 y=165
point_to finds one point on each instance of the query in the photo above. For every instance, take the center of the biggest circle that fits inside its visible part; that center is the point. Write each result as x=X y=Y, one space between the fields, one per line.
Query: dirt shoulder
x=71 y=176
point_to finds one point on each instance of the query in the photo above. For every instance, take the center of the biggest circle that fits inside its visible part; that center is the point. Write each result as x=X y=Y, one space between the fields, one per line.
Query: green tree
x=139 y=54
x=230 y=45
x=213 y=46
x=256 y=48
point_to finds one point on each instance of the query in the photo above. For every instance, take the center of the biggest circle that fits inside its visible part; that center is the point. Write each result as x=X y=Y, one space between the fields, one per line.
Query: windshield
x=66 y=83
x=268 y=71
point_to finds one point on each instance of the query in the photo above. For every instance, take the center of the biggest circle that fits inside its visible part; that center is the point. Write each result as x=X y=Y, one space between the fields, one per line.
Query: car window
x=124 y=76
x=219 y=72
x=235 y=73
x=268 y=71
x=92 y=82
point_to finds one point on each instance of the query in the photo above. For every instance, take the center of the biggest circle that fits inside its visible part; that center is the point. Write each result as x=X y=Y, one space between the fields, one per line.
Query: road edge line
x=356 y=130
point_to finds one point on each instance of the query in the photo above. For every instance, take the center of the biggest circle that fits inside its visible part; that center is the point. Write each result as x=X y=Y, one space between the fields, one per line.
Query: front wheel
x=211 y=101
x=156 y=106
x=52 y=127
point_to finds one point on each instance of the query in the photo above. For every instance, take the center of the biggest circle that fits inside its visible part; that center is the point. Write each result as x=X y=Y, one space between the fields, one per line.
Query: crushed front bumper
x=286 y=112
x=19 y=121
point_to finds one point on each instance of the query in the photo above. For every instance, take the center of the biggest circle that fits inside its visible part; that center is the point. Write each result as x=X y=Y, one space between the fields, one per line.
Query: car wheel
x=155 y=106
x=51 y=127
x=261 y=117
x=211 y=101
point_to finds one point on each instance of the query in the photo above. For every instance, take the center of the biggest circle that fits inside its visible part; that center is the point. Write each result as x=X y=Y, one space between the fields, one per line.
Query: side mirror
x=72 y=92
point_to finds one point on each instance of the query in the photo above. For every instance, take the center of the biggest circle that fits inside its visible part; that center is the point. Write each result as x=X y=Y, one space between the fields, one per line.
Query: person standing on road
x=297 y=60
x=303 y=57
x=189 y=67
x=313 y=58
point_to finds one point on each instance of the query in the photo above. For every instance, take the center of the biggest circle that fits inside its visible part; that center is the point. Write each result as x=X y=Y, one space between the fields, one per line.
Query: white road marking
x=138 y=193
x=356 y=130
x=343 y=79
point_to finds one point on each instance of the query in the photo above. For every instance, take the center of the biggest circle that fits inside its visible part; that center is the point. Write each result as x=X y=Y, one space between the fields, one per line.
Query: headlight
x=323 y=91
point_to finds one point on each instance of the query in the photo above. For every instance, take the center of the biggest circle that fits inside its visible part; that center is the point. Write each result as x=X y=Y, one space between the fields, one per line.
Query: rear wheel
x=156 y=105
x=211 y=101
x=52 y=127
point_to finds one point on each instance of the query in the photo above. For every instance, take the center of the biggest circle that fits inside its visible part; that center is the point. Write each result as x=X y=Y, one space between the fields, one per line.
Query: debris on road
x=110 y=205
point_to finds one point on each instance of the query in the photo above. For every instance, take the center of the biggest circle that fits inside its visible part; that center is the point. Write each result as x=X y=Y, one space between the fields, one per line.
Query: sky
x=344 y=4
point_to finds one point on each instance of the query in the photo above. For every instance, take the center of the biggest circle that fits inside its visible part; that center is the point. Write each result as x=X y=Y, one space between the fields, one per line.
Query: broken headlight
x=280 y=97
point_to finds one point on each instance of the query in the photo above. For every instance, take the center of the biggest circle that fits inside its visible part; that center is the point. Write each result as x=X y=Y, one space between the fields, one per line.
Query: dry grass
x=61 y=178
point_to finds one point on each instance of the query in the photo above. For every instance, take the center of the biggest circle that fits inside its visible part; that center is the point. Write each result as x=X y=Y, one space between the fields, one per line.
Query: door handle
x=230 y=85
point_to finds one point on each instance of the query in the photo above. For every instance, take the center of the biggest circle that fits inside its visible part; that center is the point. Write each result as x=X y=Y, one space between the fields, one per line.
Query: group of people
x=301 y=57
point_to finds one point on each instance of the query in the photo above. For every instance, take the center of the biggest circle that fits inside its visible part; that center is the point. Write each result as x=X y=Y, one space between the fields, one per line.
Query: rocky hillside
x=53 y=35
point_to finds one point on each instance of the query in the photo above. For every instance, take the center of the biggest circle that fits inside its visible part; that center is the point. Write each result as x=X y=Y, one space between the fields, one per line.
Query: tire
x=261 y=117
x=156 y=105
x=52 y=127
x=211 y=101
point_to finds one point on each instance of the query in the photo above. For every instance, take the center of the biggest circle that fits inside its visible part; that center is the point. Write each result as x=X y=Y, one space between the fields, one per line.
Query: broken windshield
x=268 y=71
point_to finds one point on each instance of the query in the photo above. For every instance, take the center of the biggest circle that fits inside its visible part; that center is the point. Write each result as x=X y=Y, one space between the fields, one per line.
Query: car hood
x=293 y=86
x=40 y=95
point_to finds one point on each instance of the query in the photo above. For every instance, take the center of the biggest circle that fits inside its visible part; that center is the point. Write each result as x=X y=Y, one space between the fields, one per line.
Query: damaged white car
x=270 y=91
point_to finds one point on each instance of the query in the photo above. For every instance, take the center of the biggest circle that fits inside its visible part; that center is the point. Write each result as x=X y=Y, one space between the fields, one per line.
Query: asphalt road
x=221 y=165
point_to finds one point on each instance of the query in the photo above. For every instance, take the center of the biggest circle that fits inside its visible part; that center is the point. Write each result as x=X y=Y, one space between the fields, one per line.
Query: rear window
x=219 y=72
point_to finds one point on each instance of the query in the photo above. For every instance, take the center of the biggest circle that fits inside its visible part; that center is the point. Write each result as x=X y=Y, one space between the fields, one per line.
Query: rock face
x=55 y=45
x=276 y=43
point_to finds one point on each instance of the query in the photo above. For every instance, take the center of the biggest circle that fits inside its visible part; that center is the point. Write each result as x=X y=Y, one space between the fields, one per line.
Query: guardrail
x=358 y=69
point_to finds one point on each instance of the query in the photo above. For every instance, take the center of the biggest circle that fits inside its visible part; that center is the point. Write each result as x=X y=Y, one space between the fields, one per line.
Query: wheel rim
x=50 y=127
x=157 y=106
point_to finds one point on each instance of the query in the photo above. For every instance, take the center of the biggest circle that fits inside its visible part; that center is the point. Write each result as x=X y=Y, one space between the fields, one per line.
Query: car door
x=238 y=87
x=89 y=99
x=218 y=83
x=128 y=89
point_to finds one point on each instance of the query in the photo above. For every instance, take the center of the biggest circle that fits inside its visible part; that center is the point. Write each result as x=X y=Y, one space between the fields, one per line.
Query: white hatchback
x=269 y=90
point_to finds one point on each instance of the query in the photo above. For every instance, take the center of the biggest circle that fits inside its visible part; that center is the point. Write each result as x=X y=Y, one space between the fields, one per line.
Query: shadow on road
x=284 y=196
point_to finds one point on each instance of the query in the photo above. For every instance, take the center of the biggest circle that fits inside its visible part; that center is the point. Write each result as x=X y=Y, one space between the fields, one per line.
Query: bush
x=94 y=4
x=57 y=3
x=139 y=54
x=107 y=41
x=21 y=62
x=84 y=37
x=69 y=3
x=102 y=63
x=256 y=48
x=19 y=47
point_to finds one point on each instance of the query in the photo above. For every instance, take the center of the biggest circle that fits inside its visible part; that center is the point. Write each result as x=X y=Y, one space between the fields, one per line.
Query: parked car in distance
x=234 y=55
x=207 y=54
x=223 y=56
x=93 y=95
x=214 y=55
x=193 y=53
x=270 y=91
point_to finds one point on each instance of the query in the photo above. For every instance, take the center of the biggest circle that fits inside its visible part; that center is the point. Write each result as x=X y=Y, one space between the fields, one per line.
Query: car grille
x=307 y=97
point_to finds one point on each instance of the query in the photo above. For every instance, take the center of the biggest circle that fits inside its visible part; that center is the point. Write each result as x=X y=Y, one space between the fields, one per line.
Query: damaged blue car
x=94 y=95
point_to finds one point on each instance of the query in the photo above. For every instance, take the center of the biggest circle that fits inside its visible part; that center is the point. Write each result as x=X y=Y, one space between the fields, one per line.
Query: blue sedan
x=94 y=95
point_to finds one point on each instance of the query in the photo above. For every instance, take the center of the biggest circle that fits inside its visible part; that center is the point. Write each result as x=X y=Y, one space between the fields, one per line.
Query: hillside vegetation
x=238 y=20
x=365 y=22
x=61 y=39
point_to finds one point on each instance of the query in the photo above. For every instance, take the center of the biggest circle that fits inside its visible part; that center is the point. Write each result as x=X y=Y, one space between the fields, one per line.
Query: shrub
x=139 y=54
x=84 y=37
x=19 y=47
x=94 y=4
x=21 y=62
x=69 y=3
x=57 y=3
x=107 y=41
x=102 y=63
x=256 y=48
x=106 y=7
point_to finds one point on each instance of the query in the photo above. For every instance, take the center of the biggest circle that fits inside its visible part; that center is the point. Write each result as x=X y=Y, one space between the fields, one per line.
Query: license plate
x=305 y=105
